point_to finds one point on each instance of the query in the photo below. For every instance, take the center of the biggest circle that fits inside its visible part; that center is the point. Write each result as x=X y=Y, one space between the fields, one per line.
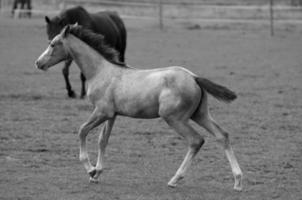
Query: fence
x=179 y=9
x=231 y=11
x=39 y=7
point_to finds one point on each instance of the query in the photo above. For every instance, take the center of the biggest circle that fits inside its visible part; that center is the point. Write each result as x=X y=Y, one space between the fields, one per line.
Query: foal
x=173 y=93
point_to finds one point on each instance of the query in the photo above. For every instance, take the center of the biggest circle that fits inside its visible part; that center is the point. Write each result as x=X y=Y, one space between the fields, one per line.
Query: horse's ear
x=75 y=25
x=47 y=20
x=66 y=31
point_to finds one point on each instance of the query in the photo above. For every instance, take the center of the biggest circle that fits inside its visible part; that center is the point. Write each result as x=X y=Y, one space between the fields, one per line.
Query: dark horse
x=107 y=23
x=23 y=3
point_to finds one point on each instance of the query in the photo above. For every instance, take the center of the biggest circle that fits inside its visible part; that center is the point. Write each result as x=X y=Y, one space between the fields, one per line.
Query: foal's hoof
x=93 y=180
x=238 y=183
x=238 y=188
x=172 y=185
x=173 y=182
x=92 y=173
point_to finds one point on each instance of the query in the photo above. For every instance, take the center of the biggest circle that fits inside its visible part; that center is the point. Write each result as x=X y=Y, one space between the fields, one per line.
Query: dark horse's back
x=107 y=23
x=104 y=19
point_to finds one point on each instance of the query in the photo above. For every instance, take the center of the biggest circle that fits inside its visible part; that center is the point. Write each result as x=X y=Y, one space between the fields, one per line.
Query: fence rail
x=175 y=9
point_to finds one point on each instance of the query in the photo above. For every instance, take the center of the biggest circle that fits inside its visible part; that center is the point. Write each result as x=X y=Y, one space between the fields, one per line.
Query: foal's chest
x=99 y=91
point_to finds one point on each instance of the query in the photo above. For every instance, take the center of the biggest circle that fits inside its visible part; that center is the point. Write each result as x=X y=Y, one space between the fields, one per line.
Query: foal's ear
x=75 y=25
x=66 y=30
x=47 y=20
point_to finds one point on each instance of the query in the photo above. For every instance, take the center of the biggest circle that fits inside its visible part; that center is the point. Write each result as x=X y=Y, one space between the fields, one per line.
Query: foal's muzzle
x=40 y=66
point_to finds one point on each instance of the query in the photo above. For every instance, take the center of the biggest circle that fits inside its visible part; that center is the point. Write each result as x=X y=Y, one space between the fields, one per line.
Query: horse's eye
x=51 y=45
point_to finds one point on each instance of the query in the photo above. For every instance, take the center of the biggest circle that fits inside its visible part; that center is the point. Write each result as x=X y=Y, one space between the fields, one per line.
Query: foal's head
x=55 y=52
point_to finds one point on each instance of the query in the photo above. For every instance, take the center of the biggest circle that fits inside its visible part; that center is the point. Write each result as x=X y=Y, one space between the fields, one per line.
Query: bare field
x=39 y=124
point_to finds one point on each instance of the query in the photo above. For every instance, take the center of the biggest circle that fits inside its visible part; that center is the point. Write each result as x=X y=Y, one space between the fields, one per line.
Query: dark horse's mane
x=97 y=42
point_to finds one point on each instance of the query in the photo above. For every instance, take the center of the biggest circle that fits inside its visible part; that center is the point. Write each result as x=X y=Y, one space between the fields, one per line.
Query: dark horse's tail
x=218 y=91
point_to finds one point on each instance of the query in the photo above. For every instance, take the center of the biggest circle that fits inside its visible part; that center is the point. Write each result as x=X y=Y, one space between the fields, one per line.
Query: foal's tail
x=218 y=91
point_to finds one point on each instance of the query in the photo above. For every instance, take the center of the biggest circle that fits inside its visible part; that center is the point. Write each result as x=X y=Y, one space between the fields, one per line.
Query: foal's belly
x=142 y=113
x=138 y=103
x=138 y=97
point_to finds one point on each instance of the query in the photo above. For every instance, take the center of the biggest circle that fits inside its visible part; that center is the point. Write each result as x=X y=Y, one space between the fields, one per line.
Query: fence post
x=272 y=17
x=160 y=14
x=63 y=5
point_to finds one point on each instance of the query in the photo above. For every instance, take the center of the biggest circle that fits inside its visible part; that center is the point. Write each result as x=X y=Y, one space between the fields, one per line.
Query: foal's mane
x=98 y=43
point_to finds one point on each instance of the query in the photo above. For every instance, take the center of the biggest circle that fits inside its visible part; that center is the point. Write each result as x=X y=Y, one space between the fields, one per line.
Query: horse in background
x=107 y=23
x=174 y=93
x=21 y=4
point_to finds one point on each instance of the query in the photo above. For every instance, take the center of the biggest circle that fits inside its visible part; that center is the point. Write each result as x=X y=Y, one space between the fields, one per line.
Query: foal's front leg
x=103 y=141
x=94 y=120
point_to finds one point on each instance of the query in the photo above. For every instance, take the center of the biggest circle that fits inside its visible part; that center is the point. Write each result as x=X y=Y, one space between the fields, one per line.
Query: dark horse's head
x=54 y=26
x=70 y=16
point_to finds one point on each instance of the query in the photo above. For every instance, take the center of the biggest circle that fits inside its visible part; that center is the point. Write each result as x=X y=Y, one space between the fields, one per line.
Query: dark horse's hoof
x=83 y=92
x=72 y=94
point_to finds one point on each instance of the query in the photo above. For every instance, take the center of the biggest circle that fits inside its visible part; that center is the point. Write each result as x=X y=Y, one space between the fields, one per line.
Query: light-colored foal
x=173 y=93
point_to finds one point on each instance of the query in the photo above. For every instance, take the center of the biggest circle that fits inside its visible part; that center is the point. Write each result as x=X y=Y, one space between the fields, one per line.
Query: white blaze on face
x=44 y=57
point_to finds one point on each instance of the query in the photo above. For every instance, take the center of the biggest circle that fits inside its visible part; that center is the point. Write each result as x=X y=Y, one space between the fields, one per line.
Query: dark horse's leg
x=83 y=91
x=65 y=71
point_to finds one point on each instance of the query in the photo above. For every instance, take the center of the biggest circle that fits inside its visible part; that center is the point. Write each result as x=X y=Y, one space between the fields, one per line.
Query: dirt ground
x=39 y=124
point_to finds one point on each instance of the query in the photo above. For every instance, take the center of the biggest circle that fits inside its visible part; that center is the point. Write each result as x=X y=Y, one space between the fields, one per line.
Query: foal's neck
x=89 y=61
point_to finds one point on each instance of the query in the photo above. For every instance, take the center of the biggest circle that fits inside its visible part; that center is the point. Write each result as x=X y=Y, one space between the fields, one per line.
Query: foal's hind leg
x=203 y=118
x=194 y=140
x=65 y=72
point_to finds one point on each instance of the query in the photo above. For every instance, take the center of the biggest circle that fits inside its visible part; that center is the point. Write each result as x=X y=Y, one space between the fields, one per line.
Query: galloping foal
x=173 y=93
